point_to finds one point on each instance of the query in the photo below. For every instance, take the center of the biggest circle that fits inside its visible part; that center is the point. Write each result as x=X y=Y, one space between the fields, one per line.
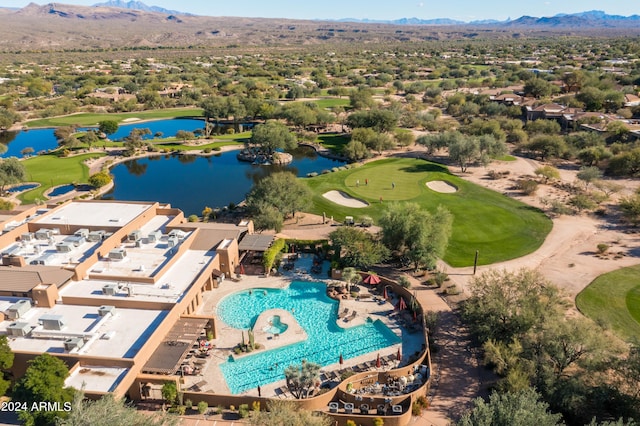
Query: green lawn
x=51 y=170
x=499 y=227
x=91 y=119
x=613 y=299
x=332 y=102
x=333 y=142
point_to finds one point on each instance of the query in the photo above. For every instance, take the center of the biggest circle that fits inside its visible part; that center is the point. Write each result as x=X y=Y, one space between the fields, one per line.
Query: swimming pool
x=316 y=313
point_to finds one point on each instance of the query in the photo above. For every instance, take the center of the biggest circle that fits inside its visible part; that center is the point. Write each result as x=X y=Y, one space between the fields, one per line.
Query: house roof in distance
x=24 y=279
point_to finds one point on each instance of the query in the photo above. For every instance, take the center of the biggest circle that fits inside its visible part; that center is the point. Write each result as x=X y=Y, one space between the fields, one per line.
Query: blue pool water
x=316 y=313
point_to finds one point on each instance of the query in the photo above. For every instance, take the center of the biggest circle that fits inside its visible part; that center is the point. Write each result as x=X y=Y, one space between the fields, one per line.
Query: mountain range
x=592 y=19
x=138 y=5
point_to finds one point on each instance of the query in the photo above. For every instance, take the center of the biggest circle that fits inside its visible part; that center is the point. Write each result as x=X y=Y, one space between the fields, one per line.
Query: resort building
x=131 y=295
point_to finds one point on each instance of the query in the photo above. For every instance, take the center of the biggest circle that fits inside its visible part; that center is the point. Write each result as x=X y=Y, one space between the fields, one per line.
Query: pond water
x=44 y=139
x=191 y=182
x=61 y=190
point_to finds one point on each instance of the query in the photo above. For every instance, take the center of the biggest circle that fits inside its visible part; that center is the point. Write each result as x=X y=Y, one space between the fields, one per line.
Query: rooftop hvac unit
x=396 y=409
x=178 y=234
x=117 y=254
x=95 y=236
x=84 y=233
x=52 y=322
x=154 y=237
x=73 y=343
x=55 y=231
x=64 y=247
x=28 y=236
x=18 y=309
x=172 y=241
x=18 y=329
x=108 y=335
x=348 y=407
x=109 y=289
x=106 y=310
x=76 y=240
x=134 y=236
x=43 y=234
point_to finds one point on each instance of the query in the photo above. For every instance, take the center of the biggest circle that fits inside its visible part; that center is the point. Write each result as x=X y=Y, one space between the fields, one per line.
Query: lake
x=191 y=182
x=44 y=139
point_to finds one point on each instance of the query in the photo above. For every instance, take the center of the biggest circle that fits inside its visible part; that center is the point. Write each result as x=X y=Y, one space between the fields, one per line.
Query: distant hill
x=138 y=5
x=590 y=19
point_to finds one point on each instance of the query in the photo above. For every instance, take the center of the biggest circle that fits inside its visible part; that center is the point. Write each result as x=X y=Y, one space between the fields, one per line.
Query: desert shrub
x=602 y=248
x=527 y=186
x=192 y=218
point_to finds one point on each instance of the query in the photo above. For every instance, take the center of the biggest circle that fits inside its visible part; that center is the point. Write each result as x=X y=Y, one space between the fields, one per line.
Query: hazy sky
x=465 y=10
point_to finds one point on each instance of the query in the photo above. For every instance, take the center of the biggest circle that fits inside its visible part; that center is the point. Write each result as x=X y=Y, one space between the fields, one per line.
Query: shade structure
x=378 y=363
x=371 y=279
x=399 y=355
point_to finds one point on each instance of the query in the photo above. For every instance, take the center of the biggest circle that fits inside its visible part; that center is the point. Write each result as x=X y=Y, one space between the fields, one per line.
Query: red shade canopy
x=371 y=279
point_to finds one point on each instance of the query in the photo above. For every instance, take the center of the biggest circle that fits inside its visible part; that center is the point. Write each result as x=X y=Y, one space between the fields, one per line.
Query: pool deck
x=211 y=378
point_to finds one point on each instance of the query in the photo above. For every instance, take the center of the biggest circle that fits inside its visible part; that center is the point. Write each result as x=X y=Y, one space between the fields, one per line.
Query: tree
x=108 y=127
x=7 y=118
x=185 y=135
x=539 y=88
x=361 y=98
x=89 y=138
x=273 y=135
x=357 y=248
x=463 y=150
x=404 y=138
x=26 y=152
x=547 y=146
x=415 y=233
x=6 y=362
x=511 y=409
x=380 y=120
x=43 y=381
x=589 y=175
x=109 y=411
x=100 y=179
x=12 y=171
x=356 y=150
x=505 y=305
x=349 y=275
x=281 y=413
x=301 y=379
x=169 y=392
x=282 y=191
x=630 y=207
x=135 y=140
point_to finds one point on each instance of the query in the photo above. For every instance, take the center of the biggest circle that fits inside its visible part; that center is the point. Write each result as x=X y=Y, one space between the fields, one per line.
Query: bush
x=416 y=409
x=527 y=186
x=206 y=150
x=192 y=218
x=440 y=278
x=202 y=407
x=602 y=248
x=100 y=179
x=188 y=403
x=404 y=282
x=243 y=411
x=6 y=205
x=378 y=421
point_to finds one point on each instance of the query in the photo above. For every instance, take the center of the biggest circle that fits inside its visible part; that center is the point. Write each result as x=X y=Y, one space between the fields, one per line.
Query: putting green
x=614 y=299
x=499 y=227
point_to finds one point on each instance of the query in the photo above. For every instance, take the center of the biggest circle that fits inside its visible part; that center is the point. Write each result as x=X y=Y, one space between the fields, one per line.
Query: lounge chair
x=281 y=392
x=343 y=313
x=351 y=317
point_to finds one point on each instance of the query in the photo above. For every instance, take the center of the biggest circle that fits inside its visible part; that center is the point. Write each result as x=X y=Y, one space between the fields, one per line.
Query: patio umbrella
x=371 y=279
x=341 y=360
x=399 y=354
x=402 y=304
x=378 y=363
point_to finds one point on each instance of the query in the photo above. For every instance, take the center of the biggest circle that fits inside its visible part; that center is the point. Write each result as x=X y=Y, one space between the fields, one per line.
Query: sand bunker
x=442 y=186
x=343 y=199
x=129 y=120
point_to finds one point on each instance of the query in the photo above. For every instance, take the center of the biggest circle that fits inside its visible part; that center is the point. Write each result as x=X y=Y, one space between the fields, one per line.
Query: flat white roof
x=170 y=288
x=143 y=261
x=45 y=251
x=128 y=329
x=96 y=214
x=96 y=379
